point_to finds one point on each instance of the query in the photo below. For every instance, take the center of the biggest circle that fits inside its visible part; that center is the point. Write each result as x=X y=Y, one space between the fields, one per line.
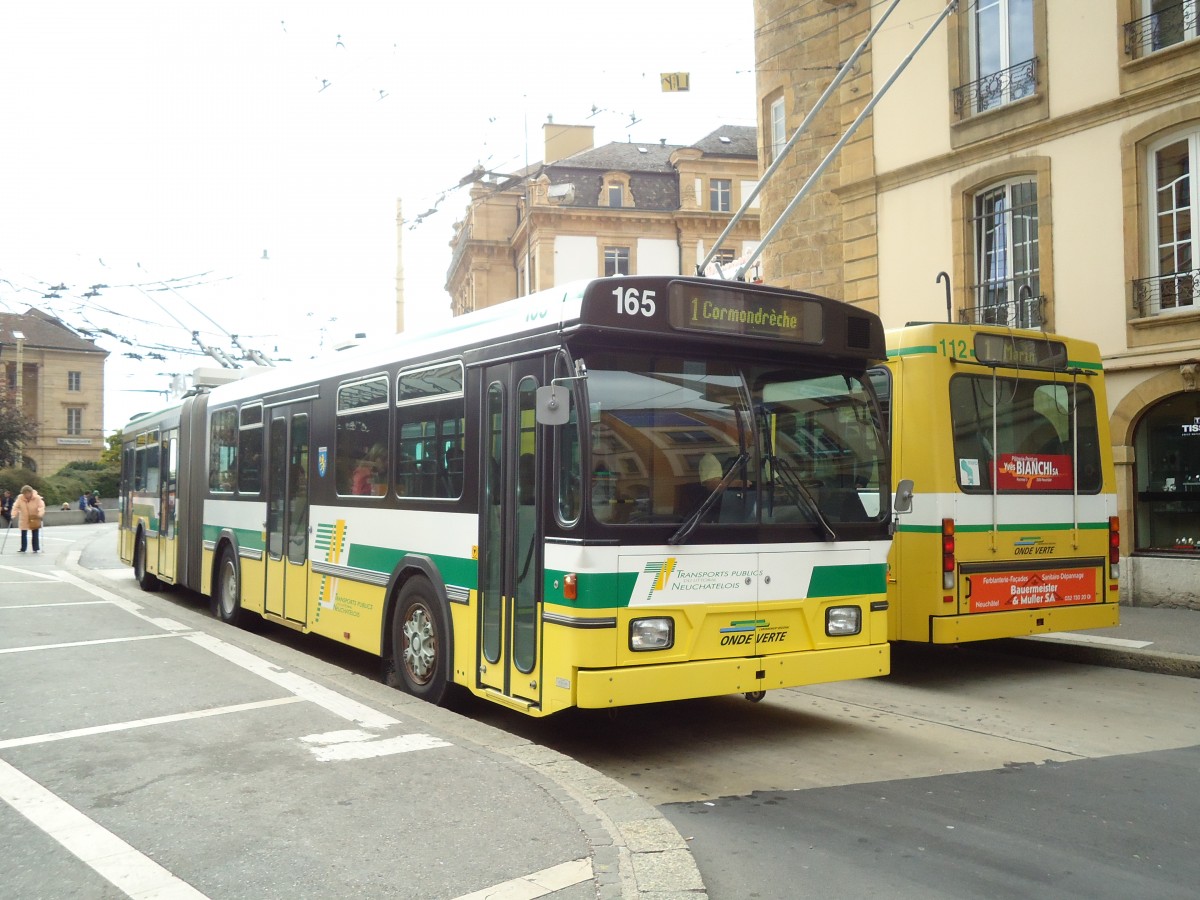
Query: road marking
x=539 y=884
x=48 y=605
x=120 y=640
x=37 y=576
x=144 y=723
x=338 y=746
x=110 y=857
x=352 y=710
x=1091 y=639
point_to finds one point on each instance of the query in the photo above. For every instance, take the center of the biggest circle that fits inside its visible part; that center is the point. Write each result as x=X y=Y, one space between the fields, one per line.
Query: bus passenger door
x=167 y=542
x=510 y=562
x=287 y=513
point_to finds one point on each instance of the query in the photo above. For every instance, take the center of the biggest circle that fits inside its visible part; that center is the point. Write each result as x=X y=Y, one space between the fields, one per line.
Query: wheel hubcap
x=420 y=647
x=229 y=589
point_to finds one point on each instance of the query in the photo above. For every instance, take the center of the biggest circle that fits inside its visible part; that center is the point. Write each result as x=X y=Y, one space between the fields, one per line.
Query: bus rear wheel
x=420 y=642
x=226 y=597
x=146 y=580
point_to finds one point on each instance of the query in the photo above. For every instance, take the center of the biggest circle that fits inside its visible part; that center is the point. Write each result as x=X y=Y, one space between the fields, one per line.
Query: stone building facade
x=1040 y=157
x=57 y=378
x=623 y=208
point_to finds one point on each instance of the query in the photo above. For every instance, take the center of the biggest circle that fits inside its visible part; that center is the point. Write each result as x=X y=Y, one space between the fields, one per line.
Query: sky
x=233 y=167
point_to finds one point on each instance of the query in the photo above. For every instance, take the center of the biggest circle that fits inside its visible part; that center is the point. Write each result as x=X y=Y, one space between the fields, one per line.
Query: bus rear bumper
x=1021 y=622
x=602 y=688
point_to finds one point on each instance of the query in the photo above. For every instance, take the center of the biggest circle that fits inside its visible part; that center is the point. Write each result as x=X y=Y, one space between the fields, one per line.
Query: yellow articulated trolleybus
x=1013 y=527
x=636 y=489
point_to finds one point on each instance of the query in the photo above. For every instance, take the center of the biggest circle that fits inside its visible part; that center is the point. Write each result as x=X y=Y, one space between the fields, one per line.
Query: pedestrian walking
x=6 y=505
x=29 y=509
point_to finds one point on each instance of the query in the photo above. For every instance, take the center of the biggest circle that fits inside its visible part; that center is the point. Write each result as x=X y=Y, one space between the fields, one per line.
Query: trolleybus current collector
x=631 y=490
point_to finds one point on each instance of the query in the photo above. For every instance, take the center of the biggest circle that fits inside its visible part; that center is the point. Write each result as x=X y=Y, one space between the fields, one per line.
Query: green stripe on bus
x=909 y=351
x=840 y=581
x=247 y=538
x=1041 y=526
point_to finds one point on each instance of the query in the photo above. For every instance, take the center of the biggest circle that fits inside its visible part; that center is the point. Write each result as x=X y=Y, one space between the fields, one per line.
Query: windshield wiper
x=783 y=471
x=690 y=525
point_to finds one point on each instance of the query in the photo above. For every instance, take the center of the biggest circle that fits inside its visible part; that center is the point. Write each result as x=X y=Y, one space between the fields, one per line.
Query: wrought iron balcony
x=1164 y=293
x=996 y=89
x=1024 y=312
x=1164 y=28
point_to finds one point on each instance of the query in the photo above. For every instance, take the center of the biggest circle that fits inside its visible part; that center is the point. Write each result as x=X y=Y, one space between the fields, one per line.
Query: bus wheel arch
x=420 y=639
x=146 y=580
x=226 y=600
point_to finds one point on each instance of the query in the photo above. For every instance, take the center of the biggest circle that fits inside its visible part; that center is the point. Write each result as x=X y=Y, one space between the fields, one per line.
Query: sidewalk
x=1149 y=639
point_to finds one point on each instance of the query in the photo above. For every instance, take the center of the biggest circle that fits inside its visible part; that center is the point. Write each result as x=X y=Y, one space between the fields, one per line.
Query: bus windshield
x=677 y=440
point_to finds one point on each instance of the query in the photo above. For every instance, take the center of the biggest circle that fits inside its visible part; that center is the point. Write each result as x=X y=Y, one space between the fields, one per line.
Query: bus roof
x=993 y=346
x=719 y=313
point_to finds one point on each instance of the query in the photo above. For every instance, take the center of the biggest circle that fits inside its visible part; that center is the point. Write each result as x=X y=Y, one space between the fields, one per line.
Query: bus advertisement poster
x=999 y=591
x=1028 y=471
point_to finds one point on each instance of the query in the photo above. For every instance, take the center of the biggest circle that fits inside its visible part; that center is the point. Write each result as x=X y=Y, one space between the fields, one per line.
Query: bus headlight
x=652 y=634
x=843 y=620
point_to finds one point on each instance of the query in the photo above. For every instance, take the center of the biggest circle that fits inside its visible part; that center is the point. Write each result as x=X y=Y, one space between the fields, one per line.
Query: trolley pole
x=845 y=70
x=829 y=157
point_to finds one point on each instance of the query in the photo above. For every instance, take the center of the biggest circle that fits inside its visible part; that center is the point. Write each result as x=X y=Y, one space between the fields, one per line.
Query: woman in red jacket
x=29 y=510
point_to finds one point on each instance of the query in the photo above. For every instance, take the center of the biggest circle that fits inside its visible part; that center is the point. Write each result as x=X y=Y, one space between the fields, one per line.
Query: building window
x=1003 y=60
x=1173 y=196
x=720 y=194
x=73 y=381
x=616 y=261
x=1163 y=23
x=615 y=194
x=1007 y=289
x=74 y=420
x=778 y=126
x=1167 y=442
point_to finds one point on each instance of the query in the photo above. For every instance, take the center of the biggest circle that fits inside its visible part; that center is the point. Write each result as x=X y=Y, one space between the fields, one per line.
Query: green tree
x=15 y=432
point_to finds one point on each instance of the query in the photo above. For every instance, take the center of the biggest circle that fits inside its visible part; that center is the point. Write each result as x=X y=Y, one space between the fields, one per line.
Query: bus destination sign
x=1020 y=352
x=721 y=310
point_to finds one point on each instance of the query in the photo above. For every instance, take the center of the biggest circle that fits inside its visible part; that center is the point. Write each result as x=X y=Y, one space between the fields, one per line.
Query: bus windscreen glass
x=666 y=431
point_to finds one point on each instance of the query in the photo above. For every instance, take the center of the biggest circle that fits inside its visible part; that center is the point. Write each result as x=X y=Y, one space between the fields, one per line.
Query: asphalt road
x=965 y=773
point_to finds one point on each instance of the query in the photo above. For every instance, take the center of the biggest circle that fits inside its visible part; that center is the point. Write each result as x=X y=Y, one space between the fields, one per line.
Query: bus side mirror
x=553 y=406
x=902 y=501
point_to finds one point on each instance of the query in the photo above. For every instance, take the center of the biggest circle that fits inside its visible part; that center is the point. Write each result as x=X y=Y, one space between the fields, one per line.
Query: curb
x=1158 y=662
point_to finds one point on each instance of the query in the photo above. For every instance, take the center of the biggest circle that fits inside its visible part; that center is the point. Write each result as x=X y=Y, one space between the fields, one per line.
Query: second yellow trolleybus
x=1013 y=528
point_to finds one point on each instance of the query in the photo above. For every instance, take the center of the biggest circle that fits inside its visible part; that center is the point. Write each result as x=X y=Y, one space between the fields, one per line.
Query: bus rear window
x=1025 y=435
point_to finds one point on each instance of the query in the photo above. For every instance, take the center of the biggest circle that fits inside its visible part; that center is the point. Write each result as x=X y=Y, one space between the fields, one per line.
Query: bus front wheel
x=420 y=642
x=146 y=580
x=226 y=598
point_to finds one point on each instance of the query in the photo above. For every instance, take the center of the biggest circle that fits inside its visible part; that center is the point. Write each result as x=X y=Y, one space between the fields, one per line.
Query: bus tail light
x=1114 y=546
x=570 y=586
x=948 y=565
